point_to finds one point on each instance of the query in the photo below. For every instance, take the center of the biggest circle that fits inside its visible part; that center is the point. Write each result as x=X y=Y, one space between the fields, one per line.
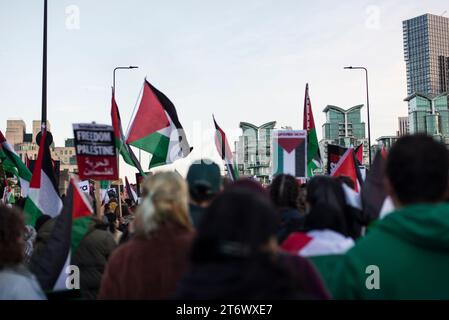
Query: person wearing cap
x=204 y=180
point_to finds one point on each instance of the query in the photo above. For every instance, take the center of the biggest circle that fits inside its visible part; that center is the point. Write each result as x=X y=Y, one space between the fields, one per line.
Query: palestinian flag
x=124 y=149
x=157 y=130
x=43 y=197
x=313 y=149
x=317 y=243
x=81 y=212
x=334 y=153
x=225 y=151
x=347 y=166
x=289 y=152
x=11 y=159
x=130 y=191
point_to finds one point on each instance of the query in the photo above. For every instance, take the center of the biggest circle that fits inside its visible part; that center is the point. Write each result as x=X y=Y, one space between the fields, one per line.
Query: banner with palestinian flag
x=10 y=159
x=124 y=149
x=43 y=197
x=157 y=130
x=290 y=152
x=313 y=149
x=221 y=142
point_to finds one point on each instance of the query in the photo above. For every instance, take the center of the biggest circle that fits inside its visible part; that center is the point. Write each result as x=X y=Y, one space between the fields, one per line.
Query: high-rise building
x=253 y=150
x=426 y=53
x=403 y=126
x=344 y=128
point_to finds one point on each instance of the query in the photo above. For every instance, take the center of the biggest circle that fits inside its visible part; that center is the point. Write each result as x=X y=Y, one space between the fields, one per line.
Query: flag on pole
x=313 y=149
x=124 y=149
x=157 y=130
x=43 y=197
x=221 y=142
x=346 y=166
x=11 y=159
x=132 y=195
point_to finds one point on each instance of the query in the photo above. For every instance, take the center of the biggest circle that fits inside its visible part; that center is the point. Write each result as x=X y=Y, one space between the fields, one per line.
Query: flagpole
x=118 y=151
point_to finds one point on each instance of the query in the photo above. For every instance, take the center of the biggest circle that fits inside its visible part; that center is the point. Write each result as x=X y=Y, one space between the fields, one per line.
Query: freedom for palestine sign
x=95 y=151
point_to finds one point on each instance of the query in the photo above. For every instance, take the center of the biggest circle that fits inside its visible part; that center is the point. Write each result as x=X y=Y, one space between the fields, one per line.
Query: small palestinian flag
x=124 y=149
x=132 y=195
x=81 y=211
x=43 y=197
x=347 y=166
x=157 y=130
x=221 y=142
x=313 y=149
x=10 y=159
x=290 y=152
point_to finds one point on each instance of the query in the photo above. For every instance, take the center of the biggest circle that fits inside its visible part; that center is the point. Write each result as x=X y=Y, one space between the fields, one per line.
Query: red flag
x=384 y=152
x=347 y=167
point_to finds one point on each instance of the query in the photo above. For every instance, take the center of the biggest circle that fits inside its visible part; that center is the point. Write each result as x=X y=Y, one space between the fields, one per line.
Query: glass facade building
x=429 y=115
x=344 y=128
x=253 y=150
x=426 y=53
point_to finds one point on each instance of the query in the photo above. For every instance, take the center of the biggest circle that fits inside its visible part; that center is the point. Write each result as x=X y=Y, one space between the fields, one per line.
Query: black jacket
x=291 y=221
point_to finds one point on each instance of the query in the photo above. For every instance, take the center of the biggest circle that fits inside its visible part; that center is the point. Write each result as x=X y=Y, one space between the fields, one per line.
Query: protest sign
x=290 y=152
x=95 y=152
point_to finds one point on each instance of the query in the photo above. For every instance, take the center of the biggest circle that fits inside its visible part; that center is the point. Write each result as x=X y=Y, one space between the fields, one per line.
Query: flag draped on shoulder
x=221 y=142
x=13 y=164
x=313 y=149
x=124 y=149
x=43 y=197
x=157 y=130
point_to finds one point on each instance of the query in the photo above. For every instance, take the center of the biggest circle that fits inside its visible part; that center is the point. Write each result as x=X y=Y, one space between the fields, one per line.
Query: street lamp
x=367 y=108
x=117 y=68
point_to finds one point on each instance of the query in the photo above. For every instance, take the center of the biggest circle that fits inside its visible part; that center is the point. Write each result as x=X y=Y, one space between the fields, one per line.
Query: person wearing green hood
x=406 y=254
x=204 y=180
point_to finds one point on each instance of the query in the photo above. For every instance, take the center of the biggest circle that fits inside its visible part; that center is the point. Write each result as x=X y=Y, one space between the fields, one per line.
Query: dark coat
x=286 y=277
x=91 y=257
x=148 y=268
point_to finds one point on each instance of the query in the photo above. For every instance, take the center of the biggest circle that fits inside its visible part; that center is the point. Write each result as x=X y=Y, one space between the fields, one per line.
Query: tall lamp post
x=367 y=108
x=118 y=156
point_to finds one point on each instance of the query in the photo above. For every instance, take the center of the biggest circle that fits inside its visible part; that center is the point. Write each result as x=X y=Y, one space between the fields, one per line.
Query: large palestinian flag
x=157 y=130
x=13 y=164
x=43 y=197
x=124 y=149
x=313 y=149
x=290 y=152
x=221 y=142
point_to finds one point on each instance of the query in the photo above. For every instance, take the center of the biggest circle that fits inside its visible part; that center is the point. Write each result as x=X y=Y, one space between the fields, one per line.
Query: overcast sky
x=241 y=60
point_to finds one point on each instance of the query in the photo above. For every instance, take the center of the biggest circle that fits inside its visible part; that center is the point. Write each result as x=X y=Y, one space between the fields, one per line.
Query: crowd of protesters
x=208 y=238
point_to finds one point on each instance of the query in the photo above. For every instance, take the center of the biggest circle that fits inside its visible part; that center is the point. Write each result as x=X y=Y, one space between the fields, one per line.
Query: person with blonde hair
x=150 y=264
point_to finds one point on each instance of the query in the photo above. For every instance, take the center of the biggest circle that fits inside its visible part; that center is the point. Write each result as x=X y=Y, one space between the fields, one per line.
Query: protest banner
x=95 y=151
x=289 y=150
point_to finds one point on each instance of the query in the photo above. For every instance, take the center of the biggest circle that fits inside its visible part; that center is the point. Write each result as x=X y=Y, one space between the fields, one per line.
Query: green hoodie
x=411 y=249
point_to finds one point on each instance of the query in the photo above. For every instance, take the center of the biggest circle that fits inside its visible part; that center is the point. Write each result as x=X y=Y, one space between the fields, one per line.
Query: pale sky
x=241 y=60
